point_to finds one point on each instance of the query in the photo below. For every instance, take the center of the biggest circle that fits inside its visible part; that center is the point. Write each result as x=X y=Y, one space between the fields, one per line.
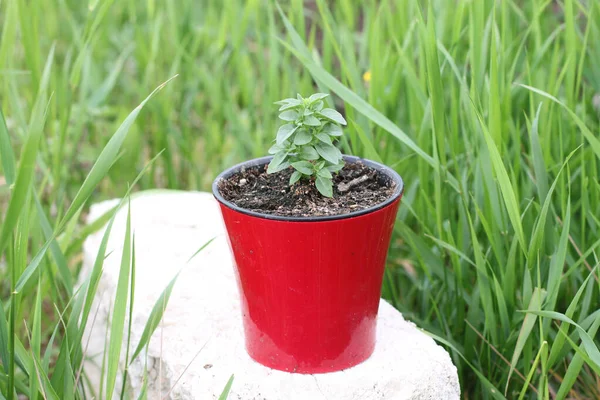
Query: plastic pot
x=310 y=286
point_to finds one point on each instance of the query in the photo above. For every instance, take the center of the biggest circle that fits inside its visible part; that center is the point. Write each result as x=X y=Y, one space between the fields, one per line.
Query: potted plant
x=309 y=229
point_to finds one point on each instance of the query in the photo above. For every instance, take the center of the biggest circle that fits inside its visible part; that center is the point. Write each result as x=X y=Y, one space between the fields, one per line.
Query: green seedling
x=306 y=141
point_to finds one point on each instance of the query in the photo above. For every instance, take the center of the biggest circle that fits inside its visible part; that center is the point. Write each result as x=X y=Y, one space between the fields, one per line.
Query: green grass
x=489 y=110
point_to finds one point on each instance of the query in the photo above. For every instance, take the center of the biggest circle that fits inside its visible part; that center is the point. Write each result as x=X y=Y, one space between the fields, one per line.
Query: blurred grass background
x=488 y=109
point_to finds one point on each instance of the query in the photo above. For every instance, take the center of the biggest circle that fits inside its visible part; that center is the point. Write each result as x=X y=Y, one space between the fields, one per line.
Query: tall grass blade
x=559 y=342
x=90 y=285
x=434 y=83
x=506 y=186
x=538 y=230
x=106 y=159
x=227 y=389
x=154 y=318
x=119 y=309
x=131 y=297
x=535 y=304
x=589 y=136
x=490 y=389
x=532 y=370
x=588 y=343
x=57 y=254
x=7 y=156
x=26 y=168
x=539 y=167
x=36 y=339
x=575 y=366
x=158 y=310
x=4 y=356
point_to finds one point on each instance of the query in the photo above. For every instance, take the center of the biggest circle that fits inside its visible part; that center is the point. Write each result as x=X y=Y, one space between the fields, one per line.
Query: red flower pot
x=310 y=286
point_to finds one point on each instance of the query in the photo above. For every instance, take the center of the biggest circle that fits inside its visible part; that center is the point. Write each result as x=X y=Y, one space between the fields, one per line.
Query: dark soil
x=253 y=189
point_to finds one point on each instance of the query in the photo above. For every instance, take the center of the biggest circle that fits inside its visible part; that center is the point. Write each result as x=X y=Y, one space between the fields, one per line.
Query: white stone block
x=199 y=343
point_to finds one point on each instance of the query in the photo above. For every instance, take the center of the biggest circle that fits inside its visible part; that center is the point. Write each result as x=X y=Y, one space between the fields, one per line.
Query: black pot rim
x=389 y=172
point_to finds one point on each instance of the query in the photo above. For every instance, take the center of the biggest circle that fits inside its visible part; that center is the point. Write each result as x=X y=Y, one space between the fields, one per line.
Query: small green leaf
x=278 y=163
x=324 y=186
x=293 y=103
x=284 y=132
x=289 y=107
x=308 y=111
x=329 y=152
x=295 y=177
x=333 y=115
x=286 y=101
x=289 y=115
x=332 y=130
x=302 y=137
x=324 y=172
x=309 y=153
x=325 y=138
x=312 y=121
x=304 y=167
x=276 y=148
x=336 y=167
x=317 y=96
x=319 y=106
x=280 y=167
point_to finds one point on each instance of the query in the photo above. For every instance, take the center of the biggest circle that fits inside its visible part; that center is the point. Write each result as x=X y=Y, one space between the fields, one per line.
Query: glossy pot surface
x=310 y=287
